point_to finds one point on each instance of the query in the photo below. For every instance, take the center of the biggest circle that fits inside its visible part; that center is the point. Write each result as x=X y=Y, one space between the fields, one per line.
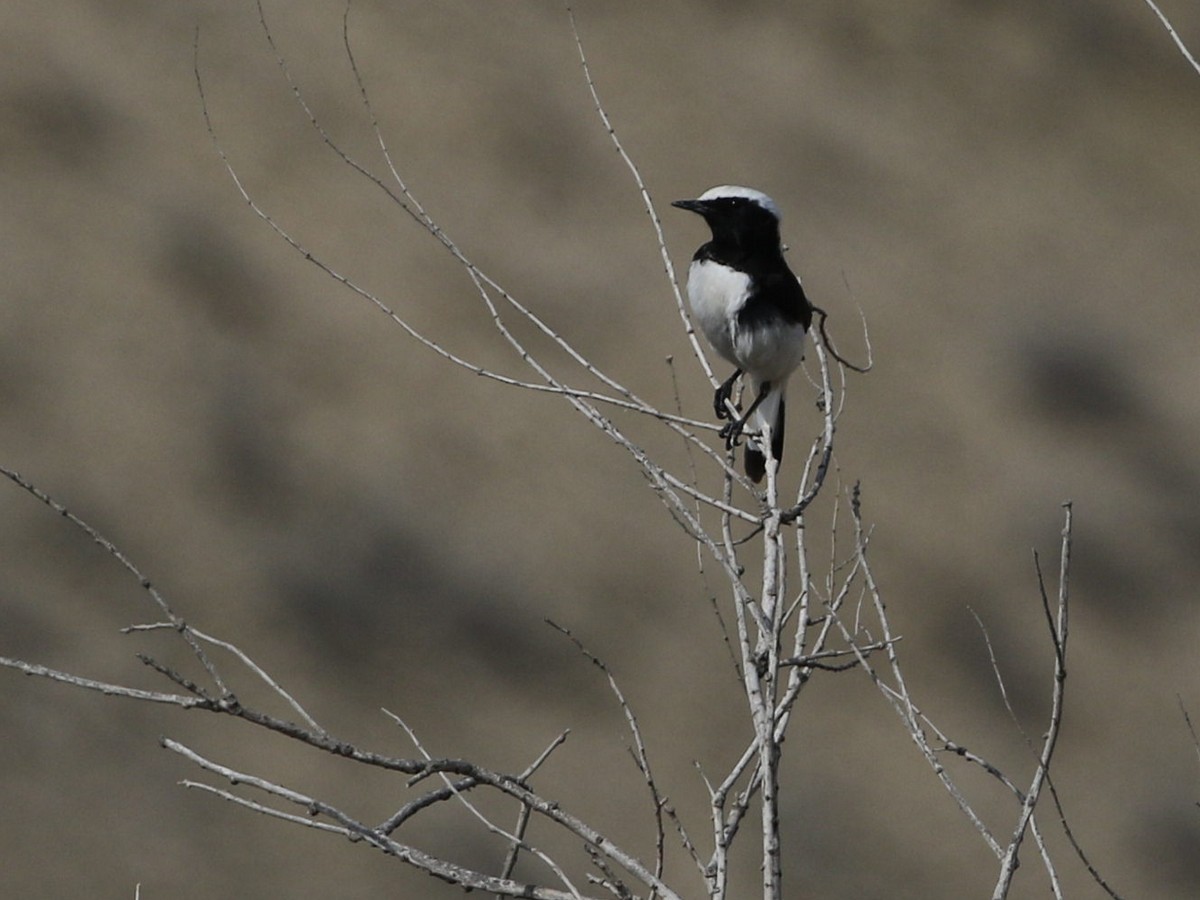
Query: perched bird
x=751 y=309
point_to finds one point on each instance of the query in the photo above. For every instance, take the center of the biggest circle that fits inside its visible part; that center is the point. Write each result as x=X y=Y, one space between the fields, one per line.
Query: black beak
x=696 y=206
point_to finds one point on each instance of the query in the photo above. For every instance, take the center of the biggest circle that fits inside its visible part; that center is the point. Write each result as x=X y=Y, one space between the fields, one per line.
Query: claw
x=732 y=433
x=719 y=407
x=722 y=395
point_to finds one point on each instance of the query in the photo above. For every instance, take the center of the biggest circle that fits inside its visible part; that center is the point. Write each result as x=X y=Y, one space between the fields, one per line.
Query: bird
x=752 y=310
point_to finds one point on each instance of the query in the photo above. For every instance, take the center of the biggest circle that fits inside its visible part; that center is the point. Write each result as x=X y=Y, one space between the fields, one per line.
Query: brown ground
x=1011 y=192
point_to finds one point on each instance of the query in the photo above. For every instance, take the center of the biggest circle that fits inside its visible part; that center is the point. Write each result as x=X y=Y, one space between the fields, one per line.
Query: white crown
x=733 y=190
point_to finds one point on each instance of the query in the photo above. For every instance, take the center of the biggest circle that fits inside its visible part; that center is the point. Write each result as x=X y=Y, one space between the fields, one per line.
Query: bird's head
x=738 y=215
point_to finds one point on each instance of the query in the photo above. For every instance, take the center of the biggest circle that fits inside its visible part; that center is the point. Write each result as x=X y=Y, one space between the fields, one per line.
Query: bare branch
x=1047 y=860
x=1058 y=635
x=262 y=674
x=1083 y=858
x=639 y=746
x=307 y=821
x=111 y=690
x=898 y=695
x=1174 y=36
x=439 y=868
x=826 y=443
x=514 y=849
x=816 y=660
x=610 y=881
x=863 y=369
x=1187 y=720
x=111 y=549
x=850 y=629
x=667 y=485
x=513 y=839
x=484 y=284
x=651 y=211
x=409 y=204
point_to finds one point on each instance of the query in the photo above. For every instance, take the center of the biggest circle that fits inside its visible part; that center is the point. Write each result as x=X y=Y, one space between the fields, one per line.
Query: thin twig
x=112 y=550
x=1174 y=36
x=640 y=757
x=514 y=850
x=1187 y=720
x=1083 y=858
x=307 y=820
x=439 y=868
x=488 y=823
x=110 y=690
x=243 y=657
x=829 y=421
x=647 y=202
x=899 y=696
x=664 y=482
x=1043 y=850
x=1058 y=621
x=870 y=363
x=409 y=204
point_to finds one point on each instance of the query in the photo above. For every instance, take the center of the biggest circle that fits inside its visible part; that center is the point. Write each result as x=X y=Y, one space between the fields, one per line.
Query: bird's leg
x=733 y=430
x=724 y=392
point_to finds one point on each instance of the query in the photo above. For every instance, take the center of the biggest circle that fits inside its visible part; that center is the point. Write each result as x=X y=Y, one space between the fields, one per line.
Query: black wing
x=777 y=297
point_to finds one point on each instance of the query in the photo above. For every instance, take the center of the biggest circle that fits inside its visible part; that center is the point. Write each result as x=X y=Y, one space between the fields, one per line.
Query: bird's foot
x=722 y=395
x=721 y=402
x=732 y=433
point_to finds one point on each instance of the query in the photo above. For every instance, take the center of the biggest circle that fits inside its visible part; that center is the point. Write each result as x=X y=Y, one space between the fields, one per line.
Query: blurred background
x=1009 y=191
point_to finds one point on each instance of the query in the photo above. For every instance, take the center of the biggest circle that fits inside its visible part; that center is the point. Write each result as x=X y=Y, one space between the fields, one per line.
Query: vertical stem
x=1058 y=634
x=766 y=666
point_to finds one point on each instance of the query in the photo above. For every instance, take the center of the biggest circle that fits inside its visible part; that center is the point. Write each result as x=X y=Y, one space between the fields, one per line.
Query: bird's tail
x=771 y=410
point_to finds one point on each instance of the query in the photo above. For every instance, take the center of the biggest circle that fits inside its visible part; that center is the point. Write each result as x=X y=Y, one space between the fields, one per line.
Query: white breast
x=769 y=354
x=716 y=294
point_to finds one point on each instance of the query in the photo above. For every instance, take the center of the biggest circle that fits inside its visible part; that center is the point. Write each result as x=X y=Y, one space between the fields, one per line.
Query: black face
x=737 y=221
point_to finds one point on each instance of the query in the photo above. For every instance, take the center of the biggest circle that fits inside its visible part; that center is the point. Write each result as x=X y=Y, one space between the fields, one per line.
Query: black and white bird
x=751 y=309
